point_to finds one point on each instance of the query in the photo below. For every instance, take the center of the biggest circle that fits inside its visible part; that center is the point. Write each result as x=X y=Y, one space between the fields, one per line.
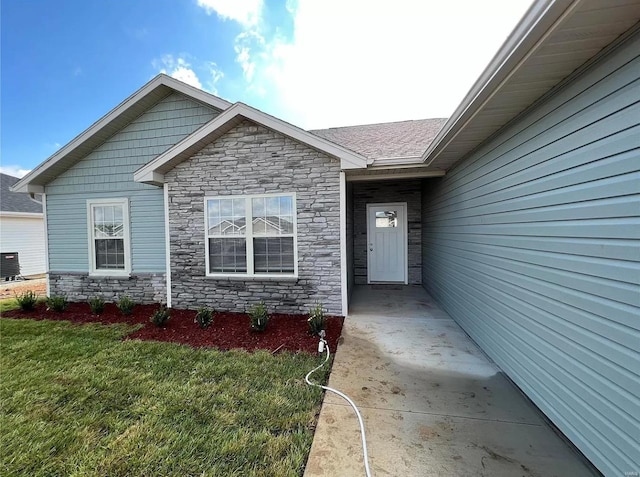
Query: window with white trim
x=251 y=235
x=108 y=221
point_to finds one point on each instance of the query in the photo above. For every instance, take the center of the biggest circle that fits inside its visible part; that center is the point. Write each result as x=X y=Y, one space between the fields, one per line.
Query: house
x=21 y=229
x=519 y=214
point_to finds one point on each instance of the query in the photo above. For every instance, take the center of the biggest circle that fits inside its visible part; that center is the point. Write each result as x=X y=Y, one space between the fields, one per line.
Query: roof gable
x=150 y=94
x=153 y=172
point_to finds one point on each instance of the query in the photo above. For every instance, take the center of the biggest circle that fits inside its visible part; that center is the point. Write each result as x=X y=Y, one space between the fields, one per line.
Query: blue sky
x=66 y=63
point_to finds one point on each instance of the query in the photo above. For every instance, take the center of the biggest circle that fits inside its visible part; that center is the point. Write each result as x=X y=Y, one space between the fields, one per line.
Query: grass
x=8 y=304
x=78 y=401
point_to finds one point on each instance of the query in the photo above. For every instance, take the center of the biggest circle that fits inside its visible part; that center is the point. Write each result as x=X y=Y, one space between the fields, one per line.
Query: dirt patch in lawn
x=9 y=289
x=228 y=331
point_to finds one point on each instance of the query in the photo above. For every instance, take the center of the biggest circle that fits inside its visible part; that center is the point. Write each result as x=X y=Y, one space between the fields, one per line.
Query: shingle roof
x=385 y=140
x=15 y=201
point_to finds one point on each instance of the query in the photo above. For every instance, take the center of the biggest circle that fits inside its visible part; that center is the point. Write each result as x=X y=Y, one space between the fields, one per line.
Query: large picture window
x=108 y=221
x=251 y=235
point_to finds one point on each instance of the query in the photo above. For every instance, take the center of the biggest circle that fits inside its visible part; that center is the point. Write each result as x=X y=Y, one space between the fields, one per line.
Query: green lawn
x=8 y=304
x=78 y=401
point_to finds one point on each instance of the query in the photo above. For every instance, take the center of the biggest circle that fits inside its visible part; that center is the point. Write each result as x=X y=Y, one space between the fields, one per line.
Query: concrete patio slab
x=432 y=402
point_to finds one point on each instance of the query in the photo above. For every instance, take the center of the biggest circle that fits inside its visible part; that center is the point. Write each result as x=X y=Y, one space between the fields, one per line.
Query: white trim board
x=167 y=241
x=250 y=274
x=126 y=236
x=343 y=245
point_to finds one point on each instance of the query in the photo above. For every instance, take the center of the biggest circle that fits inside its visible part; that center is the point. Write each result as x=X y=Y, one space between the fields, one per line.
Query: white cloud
x=15 y=171
x=247 y=43
x=245 y=12
x=363 y=61
x=181 y=69
x=186 y=75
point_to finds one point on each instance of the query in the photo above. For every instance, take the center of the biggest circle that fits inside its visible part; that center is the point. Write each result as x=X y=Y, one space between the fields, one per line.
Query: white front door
x=387 y=242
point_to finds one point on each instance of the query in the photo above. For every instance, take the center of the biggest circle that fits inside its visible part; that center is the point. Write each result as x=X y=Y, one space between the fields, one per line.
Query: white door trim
x=405 y=238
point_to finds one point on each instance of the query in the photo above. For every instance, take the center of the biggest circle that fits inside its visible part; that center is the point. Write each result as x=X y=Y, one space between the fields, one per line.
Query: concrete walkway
x=432 y=402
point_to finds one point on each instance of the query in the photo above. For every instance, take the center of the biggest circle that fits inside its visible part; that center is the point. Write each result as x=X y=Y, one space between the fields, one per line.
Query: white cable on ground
x=323 y=344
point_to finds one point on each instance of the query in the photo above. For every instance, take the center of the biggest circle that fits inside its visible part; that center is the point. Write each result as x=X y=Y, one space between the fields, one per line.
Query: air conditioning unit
x=9 y=265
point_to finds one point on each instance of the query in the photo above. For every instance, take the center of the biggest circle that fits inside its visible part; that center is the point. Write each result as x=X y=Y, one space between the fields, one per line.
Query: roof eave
x=153 y=172
x=28 y=188
x=536 y=24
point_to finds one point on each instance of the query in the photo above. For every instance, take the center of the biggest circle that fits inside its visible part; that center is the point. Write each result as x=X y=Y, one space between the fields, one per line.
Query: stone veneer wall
x=247 y=160
x=409 y=191
x=144 y=288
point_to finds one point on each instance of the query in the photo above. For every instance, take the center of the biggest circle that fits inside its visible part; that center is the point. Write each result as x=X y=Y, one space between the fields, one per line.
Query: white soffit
x=553 y=40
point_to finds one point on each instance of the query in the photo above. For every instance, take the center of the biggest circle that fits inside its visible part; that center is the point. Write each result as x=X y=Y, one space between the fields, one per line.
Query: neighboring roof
x=402 y=139
x=131 y=108
x=153 y=172
x=15 y=201
x=554 y=39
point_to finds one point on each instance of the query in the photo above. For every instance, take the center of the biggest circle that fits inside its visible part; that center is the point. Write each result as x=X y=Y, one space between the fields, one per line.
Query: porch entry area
x=383 y=222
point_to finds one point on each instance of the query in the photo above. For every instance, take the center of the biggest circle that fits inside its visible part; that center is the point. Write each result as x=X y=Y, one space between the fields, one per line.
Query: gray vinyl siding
x=533 y=245
x=108 y=172
x=69 y=243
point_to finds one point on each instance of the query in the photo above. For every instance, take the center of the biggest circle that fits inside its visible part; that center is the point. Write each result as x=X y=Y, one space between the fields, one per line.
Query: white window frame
x=93 y=270
x=250 y=274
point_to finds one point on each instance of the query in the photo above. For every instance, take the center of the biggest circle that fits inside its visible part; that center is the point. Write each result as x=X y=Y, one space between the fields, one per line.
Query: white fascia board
x=390 y=176
x=24 y=184
x=23 y=215
x=348 y=159
x=403 y=160
x=194 y=92
x=26 y=188
x=537 y=24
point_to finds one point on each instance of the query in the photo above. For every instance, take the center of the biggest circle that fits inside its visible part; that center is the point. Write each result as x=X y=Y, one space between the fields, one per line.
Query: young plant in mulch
x=204 y=317
x=259 y=317
x=57 y=303
x=96 y=303
x=125 y=304
x=161 y=316
x=317 y=321
x=27 y=300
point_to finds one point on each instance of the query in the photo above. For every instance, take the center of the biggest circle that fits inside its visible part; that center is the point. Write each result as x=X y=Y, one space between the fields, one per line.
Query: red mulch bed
x=228 y=331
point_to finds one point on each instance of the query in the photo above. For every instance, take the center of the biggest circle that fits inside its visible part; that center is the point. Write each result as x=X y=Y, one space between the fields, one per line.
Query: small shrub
x=204 y=317
x=317 y=321
x=27 y=300
x=259 y=317
x=96 y=304
x=161 y=316
x=57 y=303
x=126 y=304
